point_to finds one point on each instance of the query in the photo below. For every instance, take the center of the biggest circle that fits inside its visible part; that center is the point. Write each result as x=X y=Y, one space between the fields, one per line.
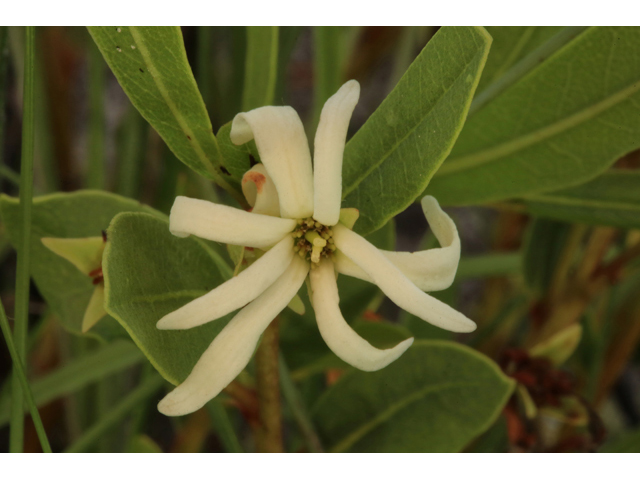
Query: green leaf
x=67 y=215
x=148 y=273
x=390 y=160
x=237 y=157
x=437 y=397
x=511 y=44
x=151 y=65
x=78 y=373
x=261 y=67
x=611 y=199
x=560 y=125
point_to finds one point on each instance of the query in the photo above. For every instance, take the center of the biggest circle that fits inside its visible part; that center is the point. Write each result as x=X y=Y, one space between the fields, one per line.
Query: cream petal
x=395 y=285
x=234 y=293
x=190 y=216
x=232 y=349
x=337 y=333
x=430 y=270
x=284 y=151
x=260 y=191
x=328 y=149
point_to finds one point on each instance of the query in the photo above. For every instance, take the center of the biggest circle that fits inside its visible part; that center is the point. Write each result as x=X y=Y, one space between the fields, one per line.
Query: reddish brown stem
x=269 y=438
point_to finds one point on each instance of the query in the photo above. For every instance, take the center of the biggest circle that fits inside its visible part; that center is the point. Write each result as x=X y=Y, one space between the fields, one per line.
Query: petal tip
x=177 y=403
x=170 y=322
x=467 y=326
x=169 y=408
x=240 y=132
x=162 y=324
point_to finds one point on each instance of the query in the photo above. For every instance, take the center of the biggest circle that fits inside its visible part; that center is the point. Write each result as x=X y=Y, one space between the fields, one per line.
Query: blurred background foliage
x=552 y=280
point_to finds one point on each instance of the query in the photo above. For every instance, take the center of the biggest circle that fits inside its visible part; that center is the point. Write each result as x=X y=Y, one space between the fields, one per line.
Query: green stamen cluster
x=313 y=240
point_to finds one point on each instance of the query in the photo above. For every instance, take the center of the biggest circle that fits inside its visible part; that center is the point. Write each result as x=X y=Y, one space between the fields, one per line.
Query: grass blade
x=22 y=378
x=16 y=437
x=79 y=373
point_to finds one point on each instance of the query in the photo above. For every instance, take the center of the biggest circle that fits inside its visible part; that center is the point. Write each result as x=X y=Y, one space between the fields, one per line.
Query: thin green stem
x=115 y=416
x=16 y=437
x=4 y=62
x=292 y=397
x=223 y=426
x=96 y=172
x=79 y=373
x=22 y=378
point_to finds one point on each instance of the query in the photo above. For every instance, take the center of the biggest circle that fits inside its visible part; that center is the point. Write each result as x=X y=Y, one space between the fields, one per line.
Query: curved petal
x=430 y=270
x=328 y=149
x=260 y=191
x=190 y=216
x=284 y=151
x=232 y=349
x=337 y=333
x=395 y=285
x=234 y=293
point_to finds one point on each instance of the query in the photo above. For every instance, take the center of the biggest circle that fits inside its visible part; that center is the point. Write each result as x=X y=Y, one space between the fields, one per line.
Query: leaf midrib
x=392 y=410
x=481 y=51
x=161 y=297
x=465 y=162
x=146 y=57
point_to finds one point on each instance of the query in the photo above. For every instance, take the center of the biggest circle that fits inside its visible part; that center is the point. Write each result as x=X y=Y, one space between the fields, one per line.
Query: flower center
x=313 y=240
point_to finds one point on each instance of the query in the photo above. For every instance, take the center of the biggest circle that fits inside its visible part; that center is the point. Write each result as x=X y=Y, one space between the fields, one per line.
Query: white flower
x=296 y=220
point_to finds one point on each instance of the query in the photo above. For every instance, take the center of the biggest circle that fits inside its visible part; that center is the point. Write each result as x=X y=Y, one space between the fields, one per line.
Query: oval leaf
x=390 y=160
x=563 y=123
x=151 y=65
x=437 y=397
x=611 y=199
x=148 y=273
x=67 y=215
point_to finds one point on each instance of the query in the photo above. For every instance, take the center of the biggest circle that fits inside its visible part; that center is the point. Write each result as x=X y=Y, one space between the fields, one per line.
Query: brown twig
x=269 y=438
